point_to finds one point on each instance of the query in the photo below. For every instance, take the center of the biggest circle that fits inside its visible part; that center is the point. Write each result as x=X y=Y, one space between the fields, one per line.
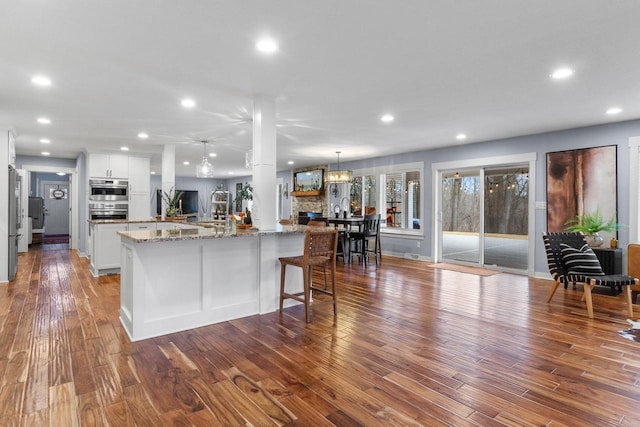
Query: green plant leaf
x=592 y=223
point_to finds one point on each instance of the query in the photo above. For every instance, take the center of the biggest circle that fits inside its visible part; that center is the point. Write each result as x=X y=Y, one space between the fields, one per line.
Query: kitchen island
x=104 y=241
x=174 y=280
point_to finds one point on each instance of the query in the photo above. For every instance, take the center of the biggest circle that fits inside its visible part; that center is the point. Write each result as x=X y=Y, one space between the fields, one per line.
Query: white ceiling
x=441 y=67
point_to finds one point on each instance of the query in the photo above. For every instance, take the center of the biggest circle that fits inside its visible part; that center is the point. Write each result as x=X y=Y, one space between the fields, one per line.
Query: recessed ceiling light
x=461 y=136
x=43 y=120
x=124 y=148
x=41 y=80
x=60 y=173
x=188 y=103
x=45 y=140
x=230 y=173
x=562 y=73
x=212 y=154
x=387 y=118
x=143 y=135
x=614 y=110
x=185 y=163
x=290 y=162
x=267 y=45
x=153 y=172
x=45 y=153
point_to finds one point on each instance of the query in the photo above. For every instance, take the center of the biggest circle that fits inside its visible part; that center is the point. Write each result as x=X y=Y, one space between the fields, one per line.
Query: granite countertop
x=132 y=221
x=149 y=236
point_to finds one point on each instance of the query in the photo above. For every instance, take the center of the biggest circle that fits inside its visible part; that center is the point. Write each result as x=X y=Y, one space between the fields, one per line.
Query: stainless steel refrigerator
x=14 y=218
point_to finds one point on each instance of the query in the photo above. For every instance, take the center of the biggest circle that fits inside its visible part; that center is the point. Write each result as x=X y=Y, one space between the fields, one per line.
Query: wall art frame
x=581 y=182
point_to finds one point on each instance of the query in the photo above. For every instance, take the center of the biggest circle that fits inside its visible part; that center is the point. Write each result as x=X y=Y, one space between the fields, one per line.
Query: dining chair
x=319 y=250
x=571 y=260
x=359 y=240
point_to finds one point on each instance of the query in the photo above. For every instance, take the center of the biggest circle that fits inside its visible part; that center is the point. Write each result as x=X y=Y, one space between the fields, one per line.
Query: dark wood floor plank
x=412 y=345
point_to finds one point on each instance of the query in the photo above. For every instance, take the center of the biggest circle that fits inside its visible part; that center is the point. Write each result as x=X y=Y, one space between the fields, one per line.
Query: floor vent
x=412 y=256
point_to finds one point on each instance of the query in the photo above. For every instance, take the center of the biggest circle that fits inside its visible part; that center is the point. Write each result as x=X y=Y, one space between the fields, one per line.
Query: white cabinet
x=139 y=188
x=105 y=255
x=139 y=206
x=108 y=165
x=139 y=175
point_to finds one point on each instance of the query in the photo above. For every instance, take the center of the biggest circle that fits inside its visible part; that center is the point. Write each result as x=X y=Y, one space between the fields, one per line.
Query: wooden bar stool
x=319 y=249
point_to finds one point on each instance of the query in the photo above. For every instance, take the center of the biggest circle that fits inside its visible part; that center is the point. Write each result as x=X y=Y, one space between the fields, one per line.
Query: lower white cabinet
x=105 y=254
x=139 y=206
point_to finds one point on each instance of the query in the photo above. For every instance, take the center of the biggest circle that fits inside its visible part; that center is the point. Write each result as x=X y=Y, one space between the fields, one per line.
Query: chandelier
x=338 y=176
x=204 y=169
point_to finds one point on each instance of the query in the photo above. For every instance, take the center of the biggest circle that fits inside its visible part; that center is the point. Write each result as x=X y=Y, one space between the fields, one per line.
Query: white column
x=168 y=172
x=263 y=213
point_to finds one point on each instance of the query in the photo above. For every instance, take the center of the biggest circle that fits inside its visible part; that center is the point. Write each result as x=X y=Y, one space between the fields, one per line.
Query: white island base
x=179 y=282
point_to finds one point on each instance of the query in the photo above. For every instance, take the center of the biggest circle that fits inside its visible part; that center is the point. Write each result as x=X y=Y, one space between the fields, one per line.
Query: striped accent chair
x=572 y=261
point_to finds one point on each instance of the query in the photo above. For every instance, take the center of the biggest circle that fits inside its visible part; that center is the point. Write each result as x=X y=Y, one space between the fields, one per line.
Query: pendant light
x=204 y=169
x=338 y=176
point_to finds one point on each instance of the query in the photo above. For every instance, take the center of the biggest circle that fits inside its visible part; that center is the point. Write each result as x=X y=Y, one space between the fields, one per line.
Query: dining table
x=347 y=223
x=345 y=226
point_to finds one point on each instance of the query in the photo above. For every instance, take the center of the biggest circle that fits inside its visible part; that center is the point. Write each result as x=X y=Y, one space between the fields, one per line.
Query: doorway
x=485 y=215
x=33 y=187
x=56 y=211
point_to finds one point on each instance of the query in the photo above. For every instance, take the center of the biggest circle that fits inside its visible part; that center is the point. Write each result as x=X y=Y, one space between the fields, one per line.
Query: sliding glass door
x=461 y=196
x=485 y=217
x=506 y=201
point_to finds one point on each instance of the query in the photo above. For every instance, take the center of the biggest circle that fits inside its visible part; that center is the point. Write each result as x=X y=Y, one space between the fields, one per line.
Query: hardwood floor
x=412 y=345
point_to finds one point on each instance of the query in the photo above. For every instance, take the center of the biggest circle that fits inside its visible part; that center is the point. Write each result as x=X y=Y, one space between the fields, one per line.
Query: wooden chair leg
x=635 y=290
x=553 y=290
x=627 y=296
x=283 y=269
x=306 y=279
x=333 y=289
x=587 y=296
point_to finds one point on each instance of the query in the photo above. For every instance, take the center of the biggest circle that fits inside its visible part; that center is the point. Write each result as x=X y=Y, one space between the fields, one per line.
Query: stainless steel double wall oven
x=108 y=199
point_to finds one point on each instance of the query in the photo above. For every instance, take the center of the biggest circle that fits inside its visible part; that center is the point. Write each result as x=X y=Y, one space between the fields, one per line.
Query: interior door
x=56 y=205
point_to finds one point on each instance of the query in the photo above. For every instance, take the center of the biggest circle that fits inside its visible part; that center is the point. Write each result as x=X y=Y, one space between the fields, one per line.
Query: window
x=393 y=192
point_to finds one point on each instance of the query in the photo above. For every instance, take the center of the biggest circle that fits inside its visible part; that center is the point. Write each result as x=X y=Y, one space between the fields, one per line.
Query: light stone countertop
x=133 y=221
x=150 y=236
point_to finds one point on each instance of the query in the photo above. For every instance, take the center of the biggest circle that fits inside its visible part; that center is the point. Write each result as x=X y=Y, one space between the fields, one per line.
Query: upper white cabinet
x=139 y=174
x=139 y=188
x=108 y=165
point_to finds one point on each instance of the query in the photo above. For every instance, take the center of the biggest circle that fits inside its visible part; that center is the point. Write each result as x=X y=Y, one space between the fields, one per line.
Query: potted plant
x=590 y=225
x=245 y=193
x=172 y=199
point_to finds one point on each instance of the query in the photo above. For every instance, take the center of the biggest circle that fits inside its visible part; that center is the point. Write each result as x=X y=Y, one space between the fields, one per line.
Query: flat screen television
x=189 y=202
